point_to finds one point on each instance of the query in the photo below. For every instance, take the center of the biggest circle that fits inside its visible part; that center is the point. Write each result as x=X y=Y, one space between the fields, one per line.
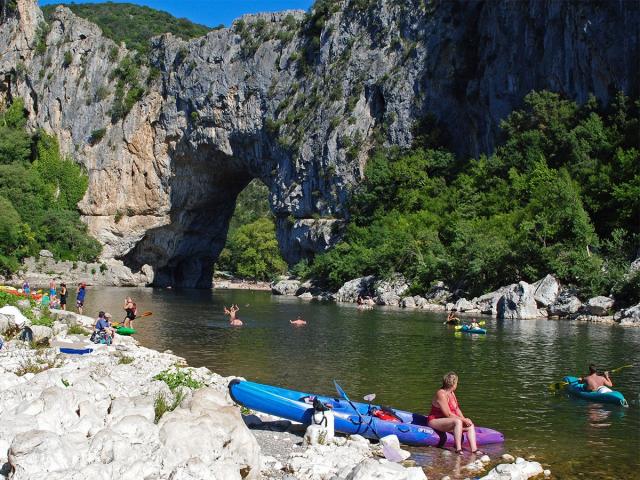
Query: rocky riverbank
x=125 y=411
x=546 y=298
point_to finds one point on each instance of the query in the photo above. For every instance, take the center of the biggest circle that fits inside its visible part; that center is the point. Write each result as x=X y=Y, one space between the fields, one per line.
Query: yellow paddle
x=554 y=387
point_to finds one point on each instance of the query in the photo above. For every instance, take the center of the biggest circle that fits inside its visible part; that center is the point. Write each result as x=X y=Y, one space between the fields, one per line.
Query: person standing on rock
x=63 y=296
x=80 y=297
x=26 y=289
x=52 y=288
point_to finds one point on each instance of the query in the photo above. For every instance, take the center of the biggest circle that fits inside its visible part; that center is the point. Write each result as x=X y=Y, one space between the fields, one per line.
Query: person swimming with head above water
x=298 y=322
x=446 y=416
x=233 y=321
x=594 y=382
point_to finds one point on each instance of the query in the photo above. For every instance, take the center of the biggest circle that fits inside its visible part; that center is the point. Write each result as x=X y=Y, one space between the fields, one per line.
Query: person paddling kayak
x=446 y=416
x=595 y=382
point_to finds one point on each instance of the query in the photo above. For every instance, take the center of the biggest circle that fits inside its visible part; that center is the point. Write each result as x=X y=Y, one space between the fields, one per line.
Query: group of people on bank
x=56 y=298
x=106 y=329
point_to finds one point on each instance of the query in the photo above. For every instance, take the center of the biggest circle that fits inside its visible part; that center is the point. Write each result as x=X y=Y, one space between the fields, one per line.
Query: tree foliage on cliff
x=39 y=191
x=133 y=24
x=560 y=195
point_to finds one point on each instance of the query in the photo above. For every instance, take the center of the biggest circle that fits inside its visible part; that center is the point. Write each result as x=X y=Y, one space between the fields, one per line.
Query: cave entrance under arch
x=203 y=192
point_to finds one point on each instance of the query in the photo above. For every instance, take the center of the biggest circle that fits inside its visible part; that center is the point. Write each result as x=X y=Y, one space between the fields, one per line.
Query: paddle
x=342 y=394
x=554 y=387
x=145 y=314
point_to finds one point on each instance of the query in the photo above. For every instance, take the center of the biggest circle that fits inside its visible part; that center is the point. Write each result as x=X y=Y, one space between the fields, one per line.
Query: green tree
x=254 y=251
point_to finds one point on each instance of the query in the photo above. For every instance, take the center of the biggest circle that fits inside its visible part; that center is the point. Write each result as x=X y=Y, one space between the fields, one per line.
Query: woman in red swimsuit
x=446 y=416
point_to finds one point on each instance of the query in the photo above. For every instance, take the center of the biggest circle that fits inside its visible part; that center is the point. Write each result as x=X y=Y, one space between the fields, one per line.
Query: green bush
x=559 y=196
x=97 y=135
x=132 y=24
x=178 y=378
x=39 y=193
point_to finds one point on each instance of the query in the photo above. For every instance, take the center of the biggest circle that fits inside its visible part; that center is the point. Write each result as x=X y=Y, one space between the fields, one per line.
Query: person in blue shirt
x=102 y=324
x=80 y=297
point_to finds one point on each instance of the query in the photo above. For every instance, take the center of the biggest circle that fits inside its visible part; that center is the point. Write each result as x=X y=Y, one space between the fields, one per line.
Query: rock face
x=599 y=306
x=518 y=303
x=298 y=112
x=566 y=304
x=546 y=290
x=351 y=290
x=628 y=316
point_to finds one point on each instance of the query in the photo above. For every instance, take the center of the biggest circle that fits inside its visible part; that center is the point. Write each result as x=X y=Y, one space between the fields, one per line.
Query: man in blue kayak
x=595 y=382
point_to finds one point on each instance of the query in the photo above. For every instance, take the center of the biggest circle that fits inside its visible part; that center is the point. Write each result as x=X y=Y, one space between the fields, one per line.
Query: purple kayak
x=370 y=421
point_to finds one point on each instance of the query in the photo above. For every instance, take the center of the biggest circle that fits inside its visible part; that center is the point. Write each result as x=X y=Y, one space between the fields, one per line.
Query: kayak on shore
x=577 y=389
x=370 y=421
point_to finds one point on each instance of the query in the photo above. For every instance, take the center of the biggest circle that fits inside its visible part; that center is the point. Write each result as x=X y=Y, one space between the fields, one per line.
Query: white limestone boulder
x=519 y=470
x=599 y=306
x=371 y=469
x=518 y=303
x=358 y=287
x=546 y=290
x=285 y=287
x=15 y=317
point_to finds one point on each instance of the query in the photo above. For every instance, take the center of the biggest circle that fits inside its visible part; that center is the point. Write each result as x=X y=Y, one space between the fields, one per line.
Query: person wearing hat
x=103 y=324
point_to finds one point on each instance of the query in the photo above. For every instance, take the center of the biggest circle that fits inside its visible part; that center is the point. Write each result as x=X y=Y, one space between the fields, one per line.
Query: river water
x=401 y=356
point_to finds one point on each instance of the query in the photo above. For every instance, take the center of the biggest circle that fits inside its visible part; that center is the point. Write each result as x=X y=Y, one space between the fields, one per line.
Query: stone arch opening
x=203 y=191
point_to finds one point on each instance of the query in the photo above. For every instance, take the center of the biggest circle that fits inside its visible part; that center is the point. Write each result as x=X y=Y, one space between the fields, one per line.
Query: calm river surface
x=401 y=356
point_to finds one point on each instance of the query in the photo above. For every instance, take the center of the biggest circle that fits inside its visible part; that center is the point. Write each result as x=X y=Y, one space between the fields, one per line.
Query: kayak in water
x=126 y=331
x=370 y=421
x=577 y=389
x=470 y=329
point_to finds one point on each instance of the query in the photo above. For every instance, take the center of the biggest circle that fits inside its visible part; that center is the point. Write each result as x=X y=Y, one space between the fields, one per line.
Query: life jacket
x=386 y=415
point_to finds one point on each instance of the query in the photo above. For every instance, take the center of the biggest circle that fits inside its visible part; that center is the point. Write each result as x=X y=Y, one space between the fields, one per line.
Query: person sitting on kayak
x=474 y=323
x=597 y=383
x=298 y=322
x=446 y=416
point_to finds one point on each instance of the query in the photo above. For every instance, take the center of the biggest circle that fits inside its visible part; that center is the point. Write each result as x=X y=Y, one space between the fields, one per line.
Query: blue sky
x=210 y=12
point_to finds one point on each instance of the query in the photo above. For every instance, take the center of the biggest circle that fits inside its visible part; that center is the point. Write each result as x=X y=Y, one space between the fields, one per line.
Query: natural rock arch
x=236 y=105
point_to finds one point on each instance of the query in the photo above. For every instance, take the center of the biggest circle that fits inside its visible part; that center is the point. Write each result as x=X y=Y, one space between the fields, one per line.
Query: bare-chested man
x=298 y=322
x=595 y=382
x=233 y=321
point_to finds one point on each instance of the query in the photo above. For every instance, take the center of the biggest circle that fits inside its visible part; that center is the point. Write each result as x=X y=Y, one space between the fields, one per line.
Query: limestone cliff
x=294 y=101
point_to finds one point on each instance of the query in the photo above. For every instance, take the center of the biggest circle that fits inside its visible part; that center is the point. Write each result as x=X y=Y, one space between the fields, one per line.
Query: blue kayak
x=349 y=417
x=469 y=329
x=578 y=389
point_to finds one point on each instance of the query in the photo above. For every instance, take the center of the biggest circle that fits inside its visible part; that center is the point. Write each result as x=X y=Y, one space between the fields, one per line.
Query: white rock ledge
x=92 y=416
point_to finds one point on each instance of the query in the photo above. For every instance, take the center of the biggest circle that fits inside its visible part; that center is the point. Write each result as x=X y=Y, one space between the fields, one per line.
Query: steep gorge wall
x=298 y=111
